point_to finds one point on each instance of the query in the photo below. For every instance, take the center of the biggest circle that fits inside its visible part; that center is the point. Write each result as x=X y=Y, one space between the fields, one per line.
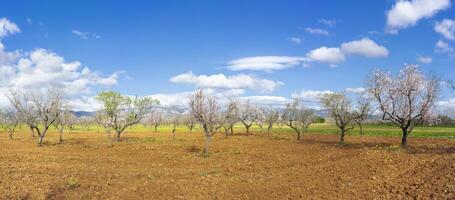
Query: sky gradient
x=264 y=51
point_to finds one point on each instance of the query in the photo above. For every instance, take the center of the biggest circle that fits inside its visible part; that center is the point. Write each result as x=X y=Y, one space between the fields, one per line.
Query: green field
x=317 y=128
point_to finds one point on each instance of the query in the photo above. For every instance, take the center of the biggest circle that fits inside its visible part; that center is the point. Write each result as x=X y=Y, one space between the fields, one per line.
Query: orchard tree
x=405 y=99
x=271 y=118
x=297 y=117
x=342 y=111
x=155 y=119
x=65 y=120
x=230 y=116
x=189 y=121
x=39 y=109
x=85 y=122
x=9 y=120
x=206 y=111
x=248 y=114
x=365 y=107
x=23 y=105
x=124 y=111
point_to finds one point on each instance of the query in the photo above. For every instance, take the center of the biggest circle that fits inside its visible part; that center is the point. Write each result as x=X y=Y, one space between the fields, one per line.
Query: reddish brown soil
x=152 y=166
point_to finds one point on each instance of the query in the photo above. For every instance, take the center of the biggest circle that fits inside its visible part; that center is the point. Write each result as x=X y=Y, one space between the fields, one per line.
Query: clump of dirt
x=239 y=167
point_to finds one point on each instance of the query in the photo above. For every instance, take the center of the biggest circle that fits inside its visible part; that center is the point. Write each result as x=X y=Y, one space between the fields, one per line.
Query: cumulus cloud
x=275 y=101
x=241 y=81
x=8 y=28
x=311 y=95
x=446 y=28
x=326 y=55
x=446 y=107
x=407 y=13
x=42 y=68
x=264 y=63
x=355 y=90
x=425 y=59
x=85 y=35
x=317 y=31
x=444 y=48
x=364 y=47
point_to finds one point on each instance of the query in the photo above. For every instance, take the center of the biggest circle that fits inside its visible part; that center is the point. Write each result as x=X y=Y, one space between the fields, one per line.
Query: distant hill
x=83 y=113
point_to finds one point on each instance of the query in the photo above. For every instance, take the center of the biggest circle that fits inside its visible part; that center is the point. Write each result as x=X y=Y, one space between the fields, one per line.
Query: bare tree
x=124 y=111
x=9 y=120
x=341 y=110
x=65 y=120
x=230 y=116
x=85 y=122
x=189 y=121
x=102 y=119
x=155 y=119
x=298 y=117
x=271 y=118
x=21 y=101
x=43 y=108
x=205 y=110
x=248 y=114
x=405 y=99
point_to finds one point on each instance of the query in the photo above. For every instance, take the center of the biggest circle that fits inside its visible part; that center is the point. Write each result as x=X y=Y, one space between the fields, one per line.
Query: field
x=150 y=165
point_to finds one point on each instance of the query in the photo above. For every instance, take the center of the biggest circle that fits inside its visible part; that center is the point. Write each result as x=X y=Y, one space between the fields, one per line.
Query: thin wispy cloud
x=317 y=31
x=328 y=22
x=85 y=35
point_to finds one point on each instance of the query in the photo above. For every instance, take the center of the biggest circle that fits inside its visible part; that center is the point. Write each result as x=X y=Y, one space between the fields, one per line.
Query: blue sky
x=169 y=48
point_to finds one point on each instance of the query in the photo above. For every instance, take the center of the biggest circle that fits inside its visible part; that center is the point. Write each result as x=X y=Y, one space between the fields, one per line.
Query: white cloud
x=276 y=101
x=241 y=81
x=444 y=48
x=85 y=103
x=8 y=28
x=317 y=31
x=446 y=28
x=407 y=13
x=264 y=63
x=85 y=35
x=355 y=90
x=40 y=68
x=425 y=59
x=446 y=107
x=365 y=47
x=328 y=22
x=311 y=95
x=326 y=55
x=296 y=40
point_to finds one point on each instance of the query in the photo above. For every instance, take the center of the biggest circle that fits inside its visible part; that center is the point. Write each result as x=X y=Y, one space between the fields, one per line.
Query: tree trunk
x=361 y=129
x=40 y=140
x=208 y=139
x=60 y=137
x=298 y=135
x=404 y=138
x=156 y=128
x=173 y=134
x=232 y=130
x=247 y=130
x=11 y=135
x=268 y=131
x=343 y=132
x=33 y=131
x=117 y=136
